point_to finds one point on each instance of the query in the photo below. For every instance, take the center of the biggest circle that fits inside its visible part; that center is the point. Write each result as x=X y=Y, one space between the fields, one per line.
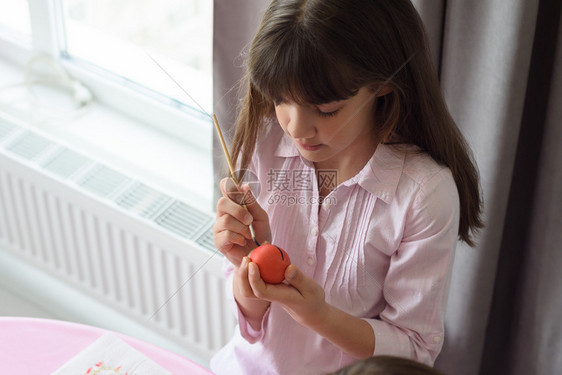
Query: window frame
x=141 y=104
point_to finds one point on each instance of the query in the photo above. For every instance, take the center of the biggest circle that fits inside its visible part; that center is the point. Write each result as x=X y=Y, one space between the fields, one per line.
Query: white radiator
x=130 y=246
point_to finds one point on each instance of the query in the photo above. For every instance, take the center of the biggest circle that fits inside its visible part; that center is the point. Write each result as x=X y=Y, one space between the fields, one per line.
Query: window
x=14 y=19
x=124 y=36
x=117 y=45
x=144 y=124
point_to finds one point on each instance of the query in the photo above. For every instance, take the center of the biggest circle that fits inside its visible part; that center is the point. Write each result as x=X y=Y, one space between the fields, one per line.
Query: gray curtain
x=500 y=65
x=234 y=24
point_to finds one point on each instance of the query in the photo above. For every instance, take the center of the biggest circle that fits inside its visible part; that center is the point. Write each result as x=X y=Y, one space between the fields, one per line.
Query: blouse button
x=315 y=231
x=310 y=261
x=436 y=339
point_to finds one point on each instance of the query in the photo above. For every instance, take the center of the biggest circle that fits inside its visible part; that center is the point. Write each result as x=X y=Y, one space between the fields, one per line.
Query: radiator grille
x=65 y=163
x=206 y=240
x=118 y=239
x=182 y=219
x=102 y=181
x=5 y=128
x=29 y=145
x=143 y=200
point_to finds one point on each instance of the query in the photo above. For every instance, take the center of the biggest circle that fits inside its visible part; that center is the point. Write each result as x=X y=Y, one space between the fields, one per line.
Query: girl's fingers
x=225 y=240
x=295 y=290
x=232 y=246
x=256 y=282
x=296 y=278
x=260 y=218
x=243 y=195
x=225 y=206
x=253 y=214
x=269 y=292
x=257 y=212
x=228 y=223
x=242 y=283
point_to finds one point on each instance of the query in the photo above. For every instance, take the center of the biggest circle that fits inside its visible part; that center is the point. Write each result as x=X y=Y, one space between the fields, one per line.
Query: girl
x=365 y=181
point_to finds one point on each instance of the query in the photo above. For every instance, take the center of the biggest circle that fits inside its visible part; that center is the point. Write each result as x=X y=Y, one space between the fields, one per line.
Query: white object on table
x=110 y=355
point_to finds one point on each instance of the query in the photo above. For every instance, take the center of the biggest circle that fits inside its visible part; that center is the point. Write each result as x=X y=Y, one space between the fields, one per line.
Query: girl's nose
x=301 y=124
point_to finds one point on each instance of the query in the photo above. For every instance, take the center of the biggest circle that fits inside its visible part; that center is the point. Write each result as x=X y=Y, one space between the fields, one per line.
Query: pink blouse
x=381 y=244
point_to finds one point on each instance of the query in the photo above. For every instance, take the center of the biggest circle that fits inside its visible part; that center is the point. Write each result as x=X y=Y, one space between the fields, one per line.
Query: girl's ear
x=382 y=90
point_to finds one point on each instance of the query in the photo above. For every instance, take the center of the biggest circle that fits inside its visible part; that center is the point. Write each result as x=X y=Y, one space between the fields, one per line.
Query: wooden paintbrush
x=232 y=171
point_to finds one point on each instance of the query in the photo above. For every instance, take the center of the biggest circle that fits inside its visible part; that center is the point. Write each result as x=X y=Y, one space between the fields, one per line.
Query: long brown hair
x=387 y=365
x=319 y=51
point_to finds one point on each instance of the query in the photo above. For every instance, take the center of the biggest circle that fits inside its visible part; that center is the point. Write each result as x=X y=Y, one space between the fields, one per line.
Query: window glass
x=124 y=36
x=14 y=18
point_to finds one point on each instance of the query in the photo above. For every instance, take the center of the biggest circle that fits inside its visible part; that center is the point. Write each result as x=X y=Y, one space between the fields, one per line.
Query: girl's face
x=332 y=135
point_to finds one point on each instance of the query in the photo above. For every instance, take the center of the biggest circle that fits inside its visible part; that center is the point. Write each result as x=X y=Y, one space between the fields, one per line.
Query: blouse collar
x=380 y=176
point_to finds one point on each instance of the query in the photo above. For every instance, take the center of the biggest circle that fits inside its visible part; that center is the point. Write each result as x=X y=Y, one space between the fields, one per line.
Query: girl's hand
x=252 y=307
x=231 y=230
x=301 y=297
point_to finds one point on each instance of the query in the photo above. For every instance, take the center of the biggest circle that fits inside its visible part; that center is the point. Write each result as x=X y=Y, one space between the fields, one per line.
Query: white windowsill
x=138 y=150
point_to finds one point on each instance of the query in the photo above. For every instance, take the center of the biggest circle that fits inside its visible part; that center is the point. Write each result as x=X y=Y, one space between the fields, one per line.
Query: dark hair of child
x=387 y=365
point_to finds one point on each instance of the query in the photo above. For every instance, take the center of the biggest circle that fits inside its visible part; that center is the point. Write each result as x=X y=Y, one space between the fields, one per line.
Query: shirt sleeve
x=417 y=282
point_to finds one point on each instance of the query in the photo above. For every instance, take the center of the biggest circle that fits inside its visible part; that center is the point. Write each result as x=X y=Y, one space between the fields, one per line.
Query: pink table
x=30 y=346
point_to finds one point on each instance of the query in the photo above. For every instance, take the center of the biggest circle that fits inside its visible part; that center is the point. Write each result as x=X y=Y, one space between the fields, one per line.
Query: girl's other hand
x=231 y=230
x=302 y=297
x=252 y=307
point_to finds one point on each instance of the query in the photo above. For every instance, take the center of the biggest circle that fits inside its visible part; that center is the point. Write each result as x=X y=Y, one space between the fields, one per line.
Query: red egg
x=272 y=262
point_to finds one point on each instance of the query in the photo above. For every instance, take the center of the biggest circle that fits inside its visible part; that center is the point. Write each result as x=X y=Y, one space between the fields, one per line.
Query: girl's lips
x=309 y=147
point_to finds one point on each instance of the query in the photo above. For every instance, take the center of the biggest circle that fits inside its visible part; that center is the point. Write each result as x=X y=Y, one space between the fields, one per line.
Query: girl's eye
x=328 y=114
